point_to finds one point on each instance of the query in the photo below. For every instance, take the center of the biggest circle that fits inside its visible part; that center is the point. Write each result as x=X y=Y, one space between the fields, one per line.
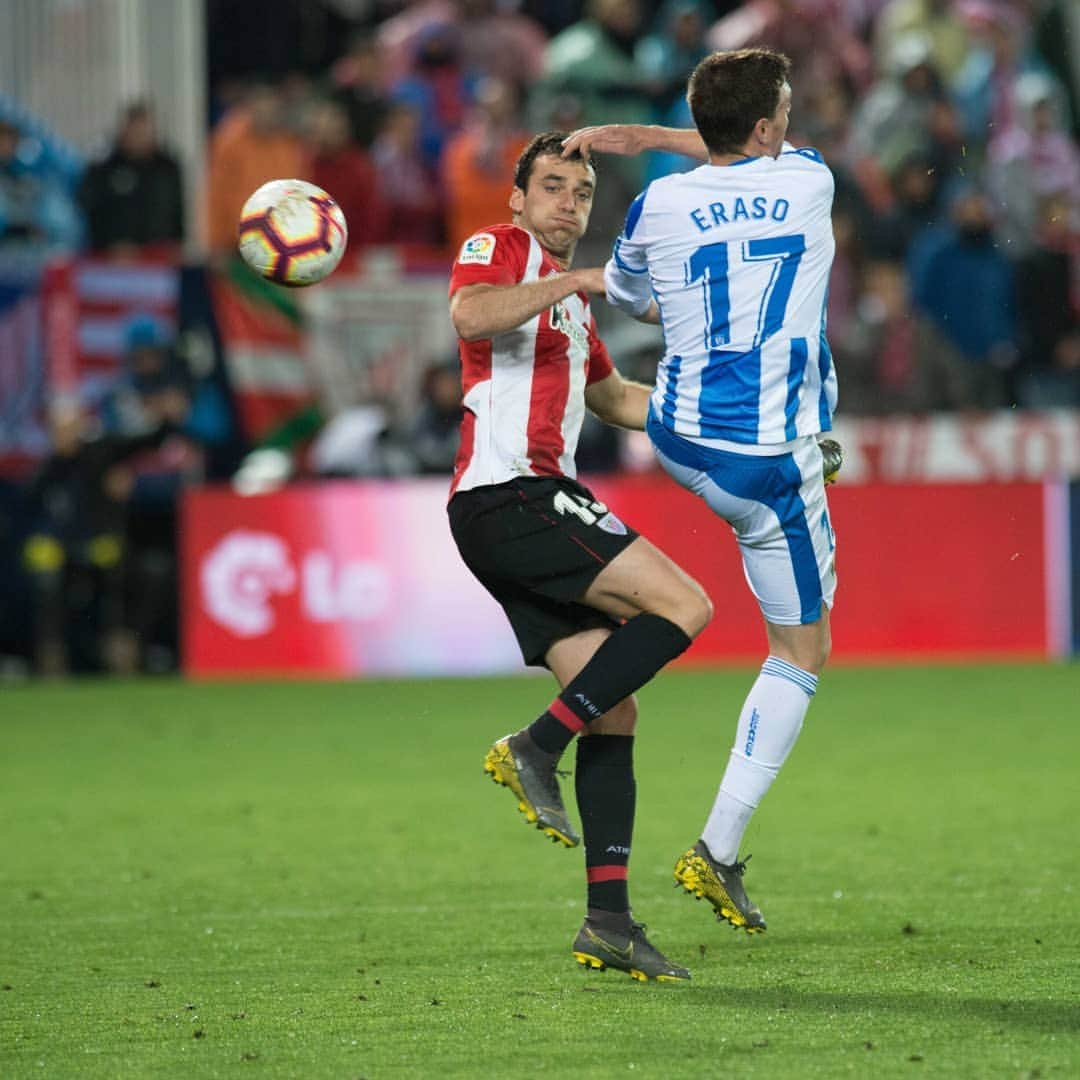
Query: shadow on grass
x=1049 y=1017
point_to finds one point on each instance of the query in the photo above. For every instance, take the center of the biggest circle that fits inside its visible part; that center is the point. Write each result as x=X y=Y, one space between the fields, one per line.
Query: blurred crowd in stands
x=951 y=127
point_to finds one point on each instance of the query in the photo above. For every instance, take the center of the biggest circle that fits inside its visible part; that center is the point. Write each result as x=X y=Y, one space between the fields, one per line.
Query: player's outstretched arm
x=650 y=315
x=630 y=139
x=619 y=401
x=482 y=311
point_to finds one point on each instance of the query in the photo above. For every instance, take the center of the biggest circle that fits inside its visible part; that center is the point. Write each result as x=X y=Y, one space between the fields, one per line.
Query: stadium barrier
x=354 y=579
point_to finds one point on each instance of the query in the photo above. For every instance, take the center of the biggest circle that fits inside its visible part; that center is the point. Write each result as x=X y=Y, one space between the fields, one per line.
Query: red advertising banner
x=332 y=579
x=924 y=571
x=1001 y=446
x=345 y=579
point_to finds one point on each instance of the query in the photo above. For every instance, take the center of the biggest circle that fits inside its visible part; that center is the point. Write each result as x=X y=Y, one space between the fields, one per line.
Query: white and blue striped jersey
x=737 y=257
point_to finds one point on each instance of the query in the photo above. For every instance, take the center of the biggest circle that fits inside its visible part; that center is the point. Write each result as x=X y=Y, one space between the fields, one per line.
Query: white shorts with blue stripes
x=777 y=508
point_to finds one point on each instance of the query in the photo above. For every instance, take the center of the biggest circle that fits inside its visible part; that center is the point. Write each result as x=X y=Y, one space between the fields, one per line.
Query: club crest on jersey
x=610 y=523
x=478 y=249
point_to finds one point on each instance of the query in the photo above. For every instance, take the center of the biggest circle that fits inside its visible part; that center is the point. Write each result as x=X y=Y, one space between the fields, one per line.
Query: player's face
x=778 y=125
x=556 y=204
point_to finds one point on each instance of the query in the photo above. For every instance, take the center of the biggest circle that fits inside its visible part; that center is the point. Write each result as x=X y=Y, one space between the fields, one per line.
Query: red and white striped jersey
x=524 y=389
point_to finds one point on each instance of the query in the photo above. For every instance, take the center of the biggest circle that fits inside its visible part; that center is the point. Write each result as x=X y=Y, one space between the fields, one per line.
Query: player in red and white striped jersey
x=586 y=596
x=524 y=404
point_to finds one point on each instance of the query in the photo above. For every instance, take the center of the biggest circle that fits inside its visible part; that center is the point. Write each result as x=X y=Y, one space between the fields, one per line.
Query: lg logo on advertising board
x=240 y=576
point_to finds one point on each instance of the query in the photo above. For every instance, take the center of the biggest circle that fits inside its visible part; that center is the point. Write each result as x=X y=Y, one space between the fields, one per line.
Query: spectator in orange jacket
x=478 y=159
x=250 y=146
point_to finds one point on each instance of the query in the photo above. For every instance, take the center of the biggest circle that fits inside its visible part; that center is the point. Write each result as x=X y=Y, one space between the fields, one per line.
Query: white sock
x=769 y=724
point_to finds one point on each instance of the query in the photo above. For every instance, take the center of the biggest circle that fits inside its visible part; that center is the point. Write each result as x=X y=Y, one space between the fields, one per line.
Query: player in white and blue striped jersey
x=733 y=260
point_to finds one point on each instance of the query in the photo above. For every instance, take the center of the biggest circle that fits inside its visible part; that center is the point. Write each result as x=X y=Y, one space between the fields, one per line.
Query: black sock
x=626 y=661
x=606 y=797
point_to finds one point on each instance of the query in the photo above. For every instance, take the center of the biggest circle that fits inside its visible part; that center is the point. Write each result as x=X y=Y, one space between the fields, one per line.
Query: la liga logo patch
x=478 y=249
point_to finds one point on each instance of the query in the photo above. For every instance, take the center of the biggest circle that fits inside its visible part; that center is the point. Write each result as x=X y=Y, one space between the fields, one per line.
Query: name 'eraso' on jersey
x=738 y=259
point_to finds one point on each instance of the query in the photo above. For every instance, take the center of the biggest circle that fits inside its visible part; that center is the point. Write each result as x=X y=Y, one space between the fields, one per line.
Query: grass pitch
x=316 y=880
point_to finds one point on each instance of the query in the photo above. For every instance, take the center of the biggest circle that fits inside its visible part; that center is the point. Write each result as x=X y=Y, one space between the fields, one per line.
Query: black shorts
x=536 y=544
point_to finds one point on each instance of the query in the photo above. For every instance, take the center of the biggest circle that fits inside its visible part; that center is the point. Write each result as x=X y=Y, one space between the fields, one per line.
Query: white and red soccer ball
x=292 y=232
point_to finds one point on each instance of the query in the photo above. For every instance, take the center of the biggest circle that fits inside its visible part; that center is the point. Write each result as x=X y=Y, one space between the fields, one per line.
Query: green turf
x=297 y=880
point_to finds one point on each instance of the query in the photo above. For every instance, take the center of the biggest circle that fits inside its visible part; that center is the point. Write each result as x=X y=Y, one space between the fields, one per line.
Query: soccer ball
x=292 y=232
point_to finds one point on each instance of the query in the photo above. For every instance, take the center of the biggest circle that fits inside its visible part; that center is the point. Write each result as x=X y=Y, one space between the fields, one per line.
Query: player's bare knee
x=826 y=651
x=695 y=610
x=619 y=720
x=813 y=655
x=820 y=648
x=807 y=646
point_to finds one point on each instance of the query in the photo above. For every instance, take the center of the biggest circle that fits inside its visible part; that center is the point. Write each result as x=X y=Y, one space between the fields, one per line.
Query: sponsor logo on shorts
x=478 y=249
x=610 y=523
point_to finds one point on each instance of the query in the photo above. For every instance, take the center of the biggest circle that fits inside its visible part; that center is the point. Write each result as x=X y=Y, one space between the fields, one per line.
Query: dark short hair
x=729 y=92
x=547 y=142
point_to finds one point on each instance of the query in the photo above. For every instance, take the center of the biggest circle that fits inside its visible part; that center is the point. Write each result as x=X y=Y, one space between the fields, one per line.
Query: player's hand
x=832 y=458
x=607 y=139
x=591 y=279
